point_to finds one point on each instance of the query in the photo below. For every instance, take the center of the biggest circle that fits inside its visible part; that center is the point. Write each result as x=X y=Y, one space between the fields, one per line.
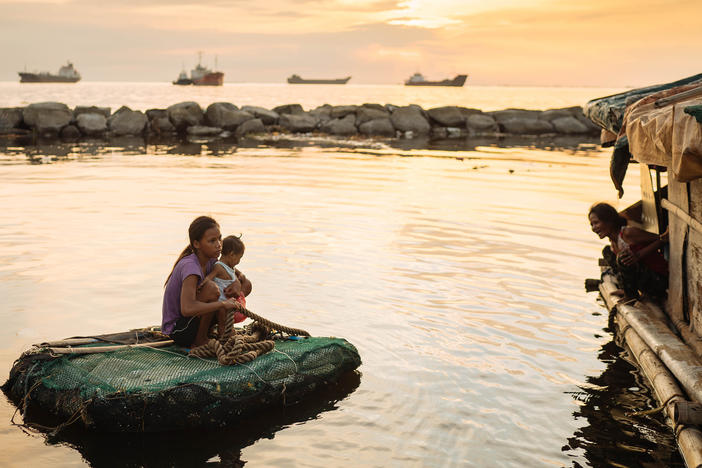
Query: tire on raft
x=148 y=389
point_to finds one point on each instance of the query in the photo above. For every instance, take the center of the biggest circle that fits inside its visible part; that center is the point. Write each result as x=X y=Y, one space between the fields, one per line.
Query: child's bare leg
x=222 y=323
x=246 y=287
x=203 y=329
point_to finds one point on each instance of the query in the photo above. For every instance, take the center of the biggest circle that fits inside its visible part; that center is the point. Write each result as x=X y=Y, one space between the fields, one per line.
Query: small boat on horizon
x=66 y=74
x=201 y=76
x=418 y=80
x=296 y=79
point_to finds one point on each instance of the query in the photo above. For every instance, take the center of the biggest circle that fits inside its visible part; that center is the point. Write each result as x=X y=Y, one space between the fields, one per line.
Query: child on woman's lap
x=230 y=281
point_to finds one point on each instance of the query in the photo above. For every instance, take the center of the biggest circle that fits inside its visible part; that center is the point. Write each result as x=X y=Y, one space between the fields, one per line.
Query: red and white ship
x=201 y=76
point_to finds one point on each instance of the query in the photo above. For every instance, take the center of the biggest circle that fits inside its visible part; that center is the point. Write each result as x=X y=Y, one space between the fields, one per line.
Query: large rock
x=380 y=127
x=289 y=109
x=298 y=123
x=153 y=114
x=70 y=132
x=372 y=105
x=104 y=111
x=185 y=114
x=482 y=123
x=91 y=124
x=568 y=125
x=203 y=131
x=268 y=117
x=526 y=126
x=338 y=112
x=127 y=122
x=343 y=126
x=366 y=114
x=552 y=114
x=250 y=126
x=410 y=119
x=322 y=113
x=226 y=115
x=448 y=116
x=47 y=118
x=509 y=114
x=162 y=125
x=10 y=117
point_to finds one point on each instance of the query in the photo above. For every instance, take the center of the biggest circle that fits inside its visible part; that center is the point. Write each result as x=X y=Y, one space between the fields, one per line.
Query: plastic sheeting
x=660 y=132
x=608 y=111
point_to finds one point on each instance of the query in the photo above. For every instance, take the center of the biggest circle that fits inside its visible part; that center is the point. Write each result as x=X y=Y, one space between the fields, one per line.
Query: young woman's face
x=211 y=243
x=598 y=226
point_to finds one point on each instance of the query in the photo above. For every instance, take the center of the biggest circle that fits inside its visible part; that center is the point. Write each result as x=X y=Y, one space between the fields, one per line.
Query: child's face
x=233 y=259
x=208 y=292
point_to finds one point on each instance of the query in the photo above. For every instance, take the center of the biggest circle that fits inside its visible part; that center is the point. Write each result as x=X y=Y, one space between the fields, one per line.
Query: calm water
x=143 y=96
x=458 y=276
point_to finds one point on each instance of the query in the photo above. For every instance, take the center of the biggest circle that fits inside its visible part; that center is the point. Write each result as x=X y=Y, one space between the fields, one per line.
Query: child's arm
x=190 y=306
x=218 y=271
x=246 y=286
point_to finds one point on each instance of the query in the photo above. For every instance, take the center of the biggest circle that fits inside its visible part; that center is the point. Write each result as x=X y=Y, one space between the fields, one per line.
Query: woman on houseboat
x=634 y=255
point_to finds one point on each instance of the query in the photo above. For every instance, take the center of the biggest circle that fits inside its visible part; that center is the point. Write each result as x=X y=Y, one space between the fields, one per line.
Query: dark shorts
x=185 y=331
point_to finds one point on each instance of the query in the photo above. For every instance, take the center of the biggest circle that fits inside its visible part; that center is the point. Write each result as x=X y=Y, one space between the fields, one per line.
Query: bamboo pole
x=663 y=382
x=680 y=213
x=108 y=348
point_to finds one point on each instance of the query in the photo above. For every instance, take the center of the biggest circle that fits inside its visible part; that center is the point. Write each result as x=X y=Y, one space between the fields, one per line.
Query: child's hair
x=232 y=244
x=196 y=230
x=607 y=214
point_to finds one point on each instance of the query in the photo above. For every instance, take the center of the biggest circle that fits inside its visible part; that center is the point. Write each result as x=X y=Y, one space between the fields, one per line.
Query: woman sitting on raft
x=633 y=254
x=186 y=316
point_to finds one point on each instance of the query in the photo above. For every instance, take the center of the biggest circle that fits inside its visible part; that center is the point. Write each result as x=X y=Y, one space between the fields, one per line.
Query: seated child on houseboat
x=633 y=254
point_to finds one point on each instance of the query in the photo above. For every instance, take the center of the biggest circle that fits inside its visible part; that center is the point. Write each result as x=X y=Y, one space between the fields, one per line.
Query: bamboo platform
x=670 y=366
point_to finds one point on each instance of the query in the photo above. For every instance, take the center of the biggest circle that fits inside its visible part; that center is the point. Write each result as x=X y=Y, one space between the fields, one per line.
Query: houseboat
x=660 y=127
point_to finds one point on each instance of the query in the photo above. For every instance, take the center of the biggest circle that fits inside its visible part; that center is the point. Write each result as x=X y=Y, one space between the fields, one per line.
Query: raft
x=140 y=382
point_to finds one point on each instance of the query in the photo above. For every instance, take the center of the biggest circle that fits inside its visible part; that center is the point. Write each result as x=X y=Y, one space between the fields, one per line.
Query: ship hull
x=458 y=81
x=45 y=78
x=210 y=79
x=297 y=80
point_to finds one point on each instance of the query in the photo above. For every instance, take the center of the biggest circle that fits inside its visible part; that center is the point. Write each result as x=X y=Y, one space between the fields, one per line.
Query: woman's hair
x=608 y=214
x=232 y=244
x=197 y=229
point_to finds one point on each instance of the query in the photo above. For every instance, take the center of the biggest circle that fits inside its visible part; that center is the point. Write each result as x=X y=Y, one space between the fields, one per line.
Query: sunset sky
x=500 y=42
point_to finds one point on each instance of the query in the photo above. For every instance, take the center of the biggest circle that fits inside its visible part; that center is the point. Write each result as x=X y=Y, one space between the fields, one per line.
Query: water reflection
x=204 y=448
x=43 y=151
x=612 y=436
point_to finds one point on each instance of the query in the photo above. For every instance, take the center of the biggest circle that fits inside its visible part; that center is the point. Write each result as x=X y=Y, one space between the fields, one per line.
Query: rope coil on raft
x=238 y=347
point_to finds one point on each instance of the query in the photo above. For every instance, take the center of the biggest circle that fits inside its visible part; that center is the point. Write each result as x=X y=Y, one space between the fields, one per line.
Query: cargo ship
x=201 y=76
x=418 y=80
x=66 y=74
x=296 y=79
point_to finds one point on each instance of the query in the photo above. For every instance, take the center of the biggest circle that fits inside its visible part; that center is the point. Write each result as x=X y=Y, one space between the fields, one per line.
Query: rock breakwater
x=223 y=120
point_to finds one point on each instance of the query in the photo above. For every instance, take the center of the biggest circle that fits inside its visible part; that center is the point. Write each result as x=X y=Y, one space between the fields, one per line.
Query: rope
x=272 y=325
x=231 y=346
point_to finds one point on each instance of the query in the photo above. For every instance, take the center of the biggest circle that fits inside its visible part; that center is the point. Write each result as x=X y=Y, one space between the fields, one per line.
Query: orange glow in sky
x=538 y=42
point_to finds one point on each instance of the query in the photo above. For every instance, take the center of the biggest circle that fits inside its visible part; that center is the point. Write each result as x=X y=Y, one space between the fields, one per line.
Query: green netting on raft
x=163 y=389
x=155 y=369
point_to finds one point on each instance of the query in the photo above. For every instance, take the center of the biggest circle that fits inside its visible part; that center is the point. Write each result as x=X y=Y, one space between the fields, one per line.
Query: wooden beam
x=680 y=213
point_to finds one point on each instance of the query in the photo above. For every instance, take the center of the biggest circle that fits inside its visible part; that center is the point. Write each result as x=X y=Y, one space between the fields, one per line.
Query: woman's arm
x=191 y=307
x=652 y=242
x=634 y=235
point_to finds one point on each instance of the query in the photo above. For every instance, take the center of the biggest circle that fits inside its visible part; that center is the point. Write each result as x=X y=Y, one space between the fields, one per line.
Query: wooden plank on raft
x=694 y=258
x=677 y=302
x=108 y=348
x=664 y=384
